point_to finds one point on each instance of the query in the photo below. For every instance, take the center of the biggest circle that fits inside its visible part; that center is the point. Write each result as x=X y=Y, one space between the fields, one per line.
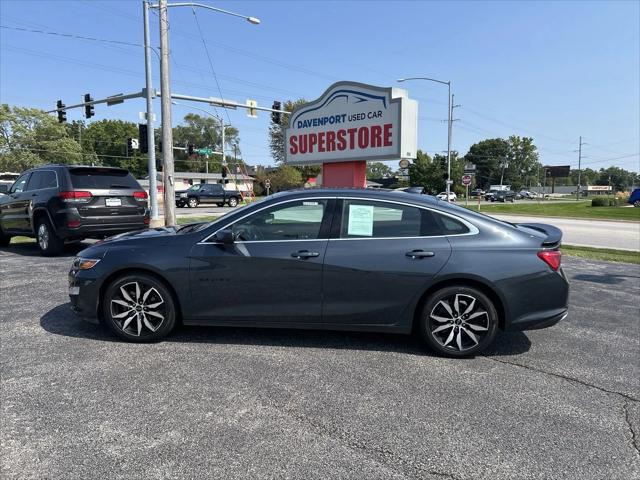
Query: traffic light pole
x=153 y=180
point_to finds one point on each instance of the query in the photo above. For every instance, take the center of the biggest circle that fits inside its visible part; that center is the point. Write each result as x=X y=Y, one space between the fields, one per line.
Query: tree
x=488 y=156
x=285 y=178
x=276 y=130
x=378 y=170
x=426 y=172
x=30 y=137
x=619 y=178
x=203 y=132
x=522 y=164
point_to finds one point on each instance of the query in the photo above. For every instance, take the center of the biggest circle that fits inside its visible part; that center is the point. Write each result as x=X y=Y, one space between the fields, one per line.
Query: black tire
x=220 y=204
x=636 y=203
x=193 y=202
x=233 y=202
x=134 y=321
x=455 y=333
x=5 y=239
x=49 y=242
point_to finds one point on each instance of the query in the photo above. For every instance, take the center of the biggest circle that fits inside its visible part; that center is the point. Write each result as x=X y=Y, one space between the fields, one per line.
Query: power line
x=72 y=35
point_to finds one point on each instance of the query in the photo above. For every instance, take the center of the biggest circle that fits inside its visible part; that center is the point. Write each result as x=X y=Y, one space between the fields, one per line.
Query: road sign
x=404 y=163
x=252 y=111
x=466 y=180
x=203 y=151
x=470 y=169
x=267 y=183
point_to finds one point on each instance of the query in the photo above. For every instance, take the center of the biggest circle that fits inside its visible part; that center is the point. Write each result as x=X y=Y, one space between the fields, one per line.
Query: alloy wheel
x=43 y=236
x=138 y=309
x=459 y=322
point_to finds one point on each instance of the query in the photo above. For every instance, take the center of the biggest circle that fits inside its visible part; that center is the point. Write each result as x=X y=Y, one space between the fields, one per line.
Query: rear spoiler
x=554 y=234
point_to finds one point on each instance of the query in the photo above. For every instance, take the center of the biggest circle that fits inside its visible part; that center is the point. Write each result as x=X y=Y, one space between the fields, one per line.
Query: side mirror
x=225 y=237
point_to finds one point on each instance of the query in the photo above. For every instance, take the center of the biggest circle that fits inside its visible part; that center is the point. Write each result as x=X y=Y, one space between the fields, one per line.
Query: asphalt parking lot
x=232 y=403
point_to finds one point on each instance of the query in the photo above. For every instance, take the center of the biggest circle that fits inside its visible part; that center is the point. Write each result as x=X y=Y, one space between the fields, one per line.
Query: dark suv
x=58 y=203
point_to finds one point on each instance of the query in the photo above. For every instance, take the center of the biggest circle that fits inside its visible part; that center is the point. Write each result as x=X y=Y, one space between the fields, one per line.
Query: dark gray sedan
x=366 y=260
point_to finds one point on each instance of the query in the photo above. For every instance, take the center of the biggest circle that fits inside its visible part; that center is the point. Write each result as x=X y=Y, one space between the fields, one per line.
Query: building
x=184 y=180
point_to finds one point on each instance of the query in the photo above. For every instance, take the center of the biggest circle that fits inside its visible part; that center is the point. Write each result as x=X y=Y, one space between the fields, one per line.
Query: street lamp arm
x=253 y=20
x=423 y=78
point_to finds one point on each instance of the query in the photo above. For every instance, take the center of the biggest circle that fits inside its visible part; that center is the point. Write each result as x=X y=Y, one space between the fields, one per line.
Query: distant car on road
x=207 y=193
x=504 y=196
x=478 y=192
x=443 y=196
x=527 y=194
x=490 y=194
x=335 y=259
x=61 y=203
x=634 y=198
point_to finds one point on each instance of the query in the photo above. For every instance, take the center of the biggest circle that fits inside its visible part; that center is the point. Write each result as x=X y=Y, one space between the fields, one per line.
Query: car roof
x=370 y=193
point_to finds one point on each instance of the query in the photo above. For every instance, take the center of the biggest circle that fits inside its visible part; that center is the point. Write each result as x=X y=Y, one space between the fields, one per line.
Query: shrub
x=600 y=202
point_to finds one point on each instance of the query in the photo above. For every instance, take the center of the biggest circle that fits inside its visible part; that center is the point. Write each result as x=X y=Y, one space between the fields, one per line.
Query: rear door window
x=102 y=178
x=371 y=219
x=42 y=179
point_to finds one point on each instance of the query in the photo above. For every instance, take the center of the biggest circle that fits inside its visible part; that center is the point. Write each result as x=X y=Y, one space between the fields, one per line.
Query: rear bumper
x=539 y=320
x=99 y=227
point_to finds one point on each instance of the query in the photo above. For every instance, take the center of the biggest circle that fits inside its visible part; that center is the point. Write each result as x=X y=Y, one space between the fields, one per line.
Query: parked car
x=207 y=193
x=443 y=196
x=634 y=198
x=346 y=259
x=61 y=203
x=478 y=192
x=490 y=194
x=504 y=196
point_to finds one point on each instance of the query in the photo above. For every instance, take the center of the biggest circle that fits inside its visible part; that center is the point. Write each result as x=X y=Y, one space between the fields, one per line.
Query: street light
x=165 y=90
x=448 y=84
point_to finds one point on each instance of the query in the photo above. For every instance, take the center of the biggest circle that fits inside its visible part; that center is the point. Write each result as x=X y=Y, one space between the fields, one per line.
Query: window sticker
x=360 y=220
x=310 y=204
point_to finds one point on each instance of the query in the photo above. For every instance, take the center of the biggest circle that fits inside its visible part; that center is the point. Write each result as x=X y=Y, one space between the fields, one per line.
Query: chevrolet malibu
x=361 y=260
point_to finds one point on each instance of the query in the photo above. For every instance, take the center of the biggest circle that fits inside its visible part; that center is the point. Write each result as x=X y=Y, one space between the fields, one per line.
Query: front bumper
x=84 y=295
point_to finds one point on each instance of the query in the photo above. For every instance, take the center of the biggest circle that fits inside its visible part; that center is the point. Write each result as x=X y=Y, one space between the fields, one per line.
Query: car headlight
x=80 y=263
x=183 y=195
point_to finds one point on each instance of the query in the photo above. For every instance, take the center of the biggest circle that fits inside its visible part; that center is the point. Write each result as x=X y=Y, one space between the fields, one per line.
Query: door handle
x=304 y=254
x=419 y=254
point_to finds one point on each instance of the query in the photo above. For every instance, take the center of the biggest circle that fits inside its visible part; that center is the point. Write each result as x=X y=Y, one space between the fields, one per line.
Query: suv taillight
x=551 y=258
x=140 y=195
x=75 y=196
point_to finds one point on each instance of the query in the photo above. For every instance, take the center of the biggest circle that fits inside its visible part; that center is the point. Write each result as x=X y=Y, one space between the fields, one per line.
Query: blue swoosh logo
x=360 y=96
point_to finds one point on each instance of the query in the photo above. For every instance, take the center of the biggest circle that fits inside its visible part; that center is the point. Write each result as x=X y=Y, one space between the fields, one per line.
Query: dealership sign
x=353 y=121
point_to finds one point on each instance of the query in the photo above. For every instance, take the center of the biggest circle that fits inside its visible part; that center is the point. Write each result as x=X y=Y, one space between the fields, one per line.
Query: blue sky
x=550 y=70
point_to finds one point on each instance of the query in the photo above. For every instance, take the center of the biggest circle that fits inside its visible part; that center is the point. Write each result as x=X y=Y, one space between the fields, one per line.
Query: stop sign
x=466 y=180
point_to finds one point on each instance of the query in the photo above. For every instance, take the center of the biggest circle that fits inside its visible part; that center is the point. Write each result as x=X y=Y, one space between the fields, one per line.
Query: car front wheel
x=458 y=321
x=4 y=239
x=139 y=308
x=193 y=202
x=233 y=202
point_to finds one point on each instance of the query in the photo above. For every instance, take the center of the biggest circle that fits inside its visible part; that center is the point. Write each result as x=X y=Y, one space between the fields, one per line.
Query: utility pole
x=151 y=141
x=448 y=189
x=167 y=132
x=579 y=167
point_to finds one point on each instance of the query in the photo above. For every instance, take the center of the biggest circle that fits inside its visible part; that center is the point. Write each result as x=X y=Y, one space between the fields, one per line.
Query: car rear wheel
x=193 y=202
x=139 y=308
x=50 y=244
x=233 y=202
x=459 y=321
x=636 y=203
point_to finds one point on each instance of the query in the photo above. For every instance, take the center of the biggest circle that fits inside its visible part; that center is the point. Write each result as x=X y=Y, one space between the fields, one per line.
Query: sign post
x=350 y=124
x=466 y=181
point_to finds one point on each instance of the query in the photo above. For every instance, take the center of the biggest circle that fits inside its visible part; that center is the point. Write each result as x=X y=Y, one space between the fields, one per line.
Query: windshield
x=194 y=187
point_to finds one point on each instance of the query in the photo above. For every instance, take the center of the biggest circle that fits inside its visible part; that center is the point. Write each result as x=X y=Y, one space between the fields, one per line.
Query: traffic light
x=276 y=116
x=129 y=151
x=62 y=114
x=142 y=138
x=88 y=109
x=190 y=149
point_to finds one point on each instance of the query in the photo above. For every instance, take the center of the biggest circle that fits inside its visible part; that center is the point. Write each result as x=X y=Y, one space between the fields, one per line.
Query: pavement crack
x=567 y=378
x=634 y=435
x=385 y=456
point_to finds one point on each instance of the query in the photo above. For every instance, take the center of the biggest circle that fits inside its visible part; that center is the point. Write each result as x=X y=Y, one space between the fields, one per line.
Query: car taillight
x=551 y=258
x=73 y=223
x=140 y=195
x=75 y=196
x=147 y=220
